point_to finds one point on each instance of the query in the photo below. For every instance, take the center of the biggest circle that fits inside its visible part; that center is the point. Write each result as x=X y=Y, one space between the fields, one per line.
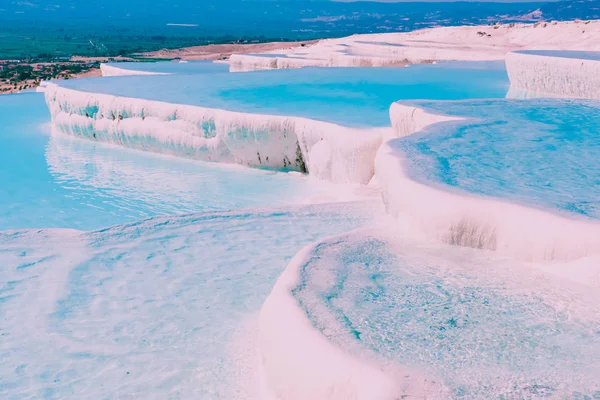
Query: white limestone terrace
x=374 y=314
x=461 y=43
x=318 y=121
x=300 y=362
x=552 y=73
x=294 y=123
x=289 y=343
x=111 y=70
x=457 y=217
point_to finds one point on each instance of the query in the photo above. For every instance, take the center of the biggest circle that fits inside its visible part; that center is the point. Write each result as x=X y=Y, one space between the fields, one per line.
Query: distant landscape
x=43 y=29
x=43 y=39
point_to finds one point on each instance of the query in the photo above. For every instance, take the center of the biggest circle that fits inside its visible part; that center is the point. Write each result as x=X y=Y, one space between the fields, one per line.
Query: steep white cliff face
x=327 y=151
x=570 y=75
x=244 y=63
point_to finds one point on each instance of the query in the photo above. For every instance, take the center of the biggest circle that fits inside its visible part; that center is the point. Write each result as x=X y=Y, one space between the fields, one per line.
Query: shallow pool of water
x=60 y=182
x=346 y=96
x=544 y=153
x=484 y=328
x=162 y=308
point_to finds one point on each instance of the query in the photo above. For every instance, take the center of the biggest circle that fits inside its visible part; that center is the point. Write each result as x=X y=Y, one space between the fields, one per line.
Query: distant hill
x=110 y=27
x=571 y=9
x=283 y=18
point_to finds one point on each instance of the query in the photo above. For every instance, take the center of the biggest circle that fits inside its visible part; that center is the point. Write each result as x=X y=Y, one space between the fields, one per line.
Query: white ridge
x=326 y=150
x=114 y=70
x=457 y=43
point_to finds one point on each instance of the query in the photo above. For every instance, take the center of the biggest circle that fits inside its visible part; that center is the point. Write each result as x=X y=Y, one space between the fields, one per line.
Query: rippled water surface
x=153 y=309
x=484 y=328
x=544 y=153
x=346 y=96
x=59 y=182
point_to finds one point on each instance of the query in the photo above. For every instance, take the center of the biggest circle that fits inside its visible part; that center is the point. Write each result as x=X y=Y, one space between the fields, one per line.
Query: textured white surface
x=557 y=76
x=243 y=62
x=163 y=308
x=407 y=119
x=459 y=43
x=111 y=70
x=346 y=154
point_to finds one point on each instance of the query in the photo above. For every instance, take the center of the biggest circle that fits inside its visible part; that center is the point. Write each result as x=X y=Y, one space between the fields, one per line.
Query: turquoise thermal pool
x=53 y=181
x=163 y=307
x=345 y=96
x=542 y=153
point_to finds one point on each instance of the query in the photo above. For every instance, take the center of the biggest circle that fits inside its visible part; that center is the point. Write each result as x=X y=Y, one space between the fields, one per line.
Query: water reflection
x=106 y=185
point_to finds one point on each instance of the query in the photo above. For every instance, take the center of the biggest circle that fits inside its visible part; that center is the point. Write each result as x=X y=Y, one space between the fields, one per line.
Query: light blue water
x=60 y=182
x=544 y=153
x=160 y=308
x=583 y=55
x=484 y=328
x=174 y=67
x=163 y=308
x=347 y=96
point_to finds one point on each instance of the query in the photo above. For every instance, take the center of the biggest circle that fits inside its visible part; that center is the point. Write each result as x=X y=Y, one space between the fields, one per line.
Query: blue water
x=583 y=55
x=163 y=308
x=167 y=67
x=347 y=96
x=483 y=328
x=60 y=182
x=544 y=153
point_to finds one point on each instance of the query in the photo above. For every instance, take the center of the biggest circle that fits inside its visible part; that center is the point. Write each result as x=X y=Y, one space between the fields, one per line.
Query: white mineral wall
x=567 y=77
x=244 y=63
x=113 y=70
x=407 y=119
x=325 y=150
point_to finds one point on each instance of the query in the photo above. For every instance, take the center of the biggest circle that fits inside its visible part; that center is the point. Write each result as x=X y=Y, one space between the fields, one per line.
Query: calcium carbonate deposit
x=296 y=230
